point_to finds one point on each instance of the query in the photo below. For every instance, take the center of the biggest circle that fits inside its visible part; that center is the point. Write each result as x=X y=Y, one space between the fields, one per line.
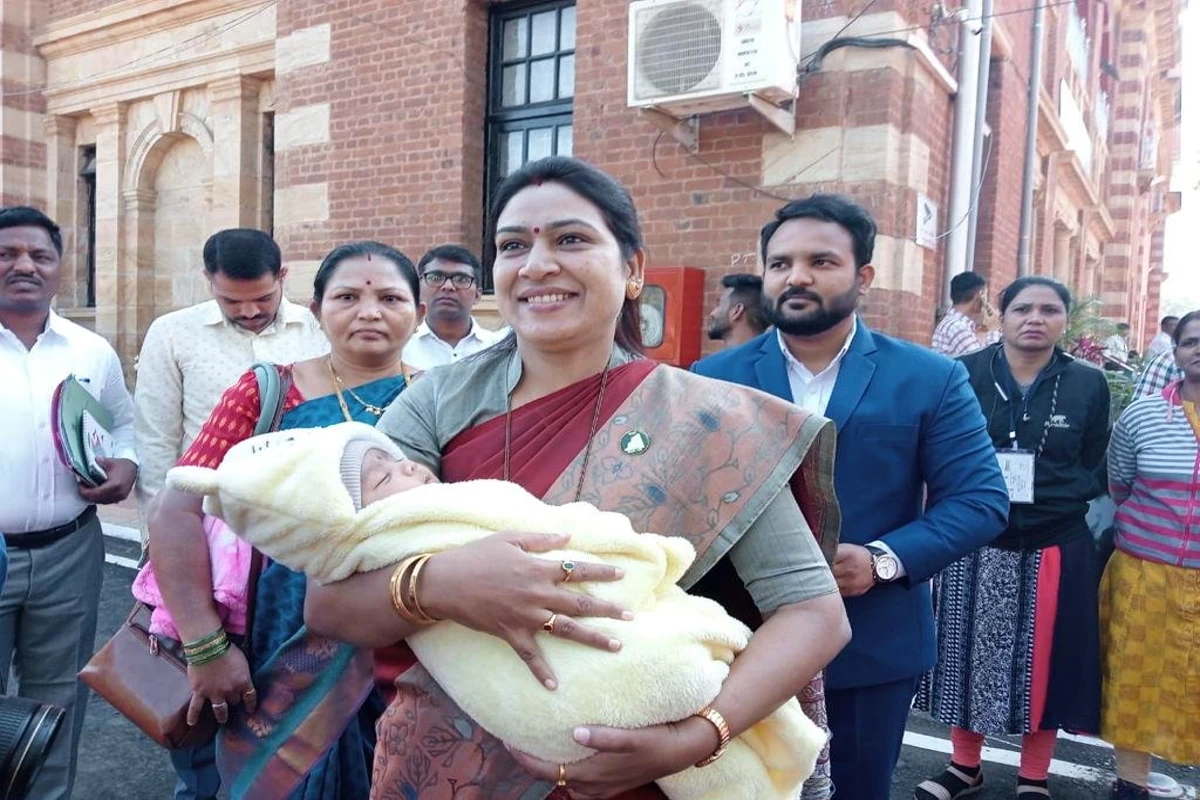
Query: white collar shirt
x=425 y=350
x=188 y=359
x=812 y=392
x=40 y=492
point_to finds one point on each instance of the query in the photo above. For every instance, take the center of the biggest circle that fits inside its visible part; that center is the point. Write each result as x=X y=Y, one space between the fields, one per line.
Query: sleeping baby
x=335 y=501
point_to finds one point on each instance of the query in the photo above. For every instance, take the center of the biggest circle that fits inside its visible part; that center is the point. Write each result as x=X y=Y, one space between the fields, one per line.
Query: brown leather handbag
x=144 y=676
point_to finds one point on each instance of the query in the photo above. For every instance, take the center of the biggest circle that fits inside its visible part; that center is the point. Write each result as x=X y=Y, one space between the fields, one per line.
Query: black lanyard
x=1019 y=412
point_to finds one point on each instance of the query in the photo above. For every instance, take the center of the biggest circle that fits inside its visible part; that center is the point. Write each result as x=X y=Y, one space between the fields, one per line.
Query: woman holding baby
x=569 y=410
x=304 y=727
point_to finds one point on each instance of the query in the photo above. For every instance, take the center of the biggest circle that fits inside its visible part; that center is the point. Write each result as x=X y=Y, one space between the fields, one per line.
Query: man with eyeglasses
x=450 y=276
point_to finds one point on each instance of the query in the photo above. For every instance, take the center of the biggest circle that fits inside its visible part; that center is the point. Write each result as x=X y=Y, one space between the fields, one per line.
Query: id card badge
x=1017 y=467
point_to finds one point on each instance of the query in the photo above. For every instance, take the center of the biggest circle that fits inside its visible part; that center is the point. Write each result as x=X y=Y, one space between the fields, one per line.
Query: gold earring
x=633 y=289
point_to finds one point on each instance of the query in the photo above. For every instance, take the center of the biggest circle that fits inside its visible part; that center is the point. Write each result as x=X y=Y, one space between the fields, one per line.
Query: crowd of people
x=891 y=523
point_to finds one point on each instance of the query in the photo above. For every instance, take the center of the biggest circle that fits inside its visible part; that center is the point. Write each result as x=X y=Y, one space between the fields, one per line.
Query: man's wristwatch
x=884 y=566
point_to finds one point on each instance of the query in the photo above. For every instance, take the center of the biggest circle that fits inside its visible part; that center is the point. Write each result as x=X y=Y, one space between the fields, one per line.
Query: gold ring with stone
x=568 y=567
x=562 y=775
x=548 y=625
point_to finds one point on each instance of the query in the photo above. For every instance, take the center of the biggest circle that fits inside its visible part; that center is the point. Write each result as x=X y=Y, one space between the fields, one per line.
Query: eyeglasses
x=458 y=280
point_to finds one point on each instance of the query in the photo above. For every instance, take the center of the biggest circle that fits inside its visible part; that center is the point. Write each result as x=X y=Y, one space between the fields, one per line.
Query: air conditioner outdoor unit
x=695 y=56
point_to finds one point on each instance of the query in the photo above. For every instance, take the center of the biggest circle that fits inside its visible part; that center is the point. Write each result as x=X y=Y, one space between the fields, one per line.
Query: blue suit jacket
x=915 y=468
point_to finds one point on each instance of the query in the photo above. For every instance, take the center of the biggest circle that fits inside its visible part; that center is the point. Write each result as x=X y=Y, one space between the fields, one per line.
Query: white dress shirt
x=1160 y=344
x=425 y=350
x=189 y=358
x=1115 y=347
x=812 y=392
x=39 y=491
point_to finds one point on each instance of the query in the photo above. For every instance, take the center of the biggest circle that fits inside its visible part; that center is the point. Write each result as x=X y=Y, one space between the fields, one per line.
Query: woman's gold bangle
x=403 y=585
x=713 y=716
x=397 y=591
x=423 y=617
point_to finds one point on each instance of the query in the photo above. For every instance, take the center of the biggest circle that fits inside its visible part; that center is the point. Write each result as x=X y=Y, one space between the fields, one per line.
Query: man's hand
x=989 y=320
x=122 y=474
x=852 y=570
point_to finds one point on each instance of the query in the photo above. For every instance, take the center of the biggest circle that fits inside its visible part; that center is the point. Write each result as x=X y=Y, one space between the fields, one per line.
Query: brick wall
x=401 y=157
x=400 y=150
x=22 y=147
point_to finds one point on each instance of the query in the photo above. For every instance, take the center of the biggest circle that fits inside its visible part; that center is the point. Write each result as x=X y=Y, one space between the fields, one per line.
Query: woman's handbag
x=144 y=676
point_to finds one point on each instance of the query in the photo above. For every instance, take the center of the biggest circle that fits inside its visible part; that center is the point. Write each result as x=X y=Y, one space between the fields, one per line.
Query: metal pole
x=964 y=139
x=1032 y=162
x=985 y=73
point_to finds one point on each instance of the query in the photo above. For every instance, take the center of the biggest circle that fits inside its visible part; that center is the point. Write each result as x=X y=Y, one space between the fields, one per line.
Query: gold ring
x=548 y=625
x=562 y=775
x=568 y=567
x=251 y=692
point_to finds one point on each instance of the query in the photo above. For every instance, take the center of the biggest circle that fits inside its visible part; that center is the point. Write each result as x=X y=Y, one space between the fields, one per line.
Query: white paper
x=97 y=443
x=1017 y=466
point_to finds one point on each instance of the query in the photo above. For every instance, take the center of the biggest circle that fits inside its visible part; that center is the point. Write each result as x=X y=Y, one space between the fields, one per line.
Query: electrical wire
x=983 y=171
x=915 y=28
x=174 y=49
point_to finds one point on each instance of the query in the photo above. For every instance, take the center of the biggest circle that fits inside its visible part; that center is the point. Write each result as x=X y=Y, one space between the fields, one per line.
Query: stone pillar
x=138 y=280
x=237 y=140
x=1062 y=254
x=62 y=195
x=113 y=306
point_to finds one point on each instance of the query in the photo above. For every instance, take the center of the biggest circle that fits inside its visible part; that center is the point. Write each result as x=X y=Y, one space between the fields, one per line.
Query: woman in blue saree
x=298 y=710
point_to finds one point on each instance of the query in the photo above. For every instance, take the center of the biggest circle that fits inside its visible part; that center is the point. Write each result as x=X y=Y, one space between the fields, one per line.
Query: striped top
x=1154 y=478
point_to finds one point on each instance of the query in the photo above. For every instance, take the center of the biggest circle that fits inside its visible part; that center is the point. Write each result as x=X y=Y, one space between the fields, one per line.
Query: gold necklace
x=339 y=386
x=587 y=453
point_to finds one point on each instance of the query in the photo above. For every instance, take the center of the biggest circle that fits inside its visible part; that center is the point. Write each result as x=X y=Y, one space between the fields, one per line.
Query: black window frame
x=501 y=120
x=87 y=175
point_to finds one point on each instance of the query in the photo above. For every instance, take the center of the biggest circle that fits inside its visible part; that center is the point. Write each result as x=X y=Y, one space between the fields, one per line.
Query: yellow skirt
x=1150 y=651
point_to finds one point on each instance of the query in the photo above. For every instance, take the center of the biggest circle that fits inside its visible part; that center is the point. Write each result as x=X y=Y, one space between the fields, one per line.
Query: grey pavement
x=118 y=763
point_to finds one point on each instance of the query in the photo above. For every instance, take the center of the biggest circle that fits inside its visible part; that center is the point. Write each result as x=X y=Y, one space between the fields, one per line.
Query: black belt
x=36 y=539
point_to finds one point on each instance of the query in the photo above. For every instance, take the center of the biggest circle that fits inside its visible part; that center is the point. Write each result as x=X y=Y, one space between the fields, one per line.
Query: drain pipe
x=1025 y=247
x=978 y=157
x=965 y=101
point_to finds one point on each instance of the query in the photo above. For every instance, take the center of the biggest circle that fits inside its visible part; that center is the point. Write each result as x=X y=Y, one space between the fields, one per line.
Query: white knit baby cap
x=269 y=484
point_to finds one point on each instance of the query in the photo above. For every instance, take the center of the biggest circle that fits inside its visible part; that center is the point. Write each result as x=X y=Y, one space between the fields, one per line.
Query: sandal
x=1032 y=791
x=951 y=784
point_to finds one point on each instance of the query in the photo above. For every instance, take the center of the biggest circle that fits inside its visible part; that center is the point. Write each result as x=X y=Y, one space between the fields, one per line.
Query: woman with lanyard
x=1151 y=587
x=1018 y=634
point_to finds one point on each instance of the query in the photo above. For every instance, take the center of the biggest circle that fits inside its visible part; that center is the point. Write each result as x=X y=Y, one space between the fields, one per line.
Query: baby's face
x=383 y=476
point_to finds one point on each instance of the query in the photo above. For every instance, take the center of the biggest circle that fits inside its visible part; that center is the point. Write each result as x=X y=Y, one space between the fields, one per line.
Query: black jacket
x=1071 y=468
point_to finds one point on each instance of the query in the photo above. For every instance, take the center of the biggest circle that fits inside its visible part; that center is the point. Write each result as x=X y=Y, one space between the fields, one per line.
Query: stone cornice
x=197 y=71
x=55 y=125
x=109 y=114
x=129 y=19
x=235 y=87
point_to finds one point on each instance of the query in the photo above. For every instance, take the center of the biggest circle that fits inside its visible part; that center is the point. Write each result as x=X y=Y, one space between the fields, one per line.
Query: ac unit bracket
x=686 y=131
x=782 y=117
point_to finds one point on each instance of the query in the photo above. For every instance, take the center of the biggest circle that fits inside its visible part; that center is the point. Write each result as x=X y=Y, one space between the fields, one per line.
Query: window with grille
x=531 y=87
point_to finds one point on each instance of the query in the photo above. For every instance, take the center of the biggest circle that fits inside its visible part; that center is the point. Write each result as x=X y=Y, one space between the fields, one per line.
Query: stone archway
x=167 y=196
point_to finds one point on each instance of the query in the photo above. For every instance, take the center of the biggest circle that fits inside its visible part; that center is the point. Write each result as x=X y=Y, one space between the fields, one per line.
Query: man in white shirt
x=451 y=277
x=957 y=334
x=189 y=358
x=1116 y=348
x=1162 y=342
x=55 y=545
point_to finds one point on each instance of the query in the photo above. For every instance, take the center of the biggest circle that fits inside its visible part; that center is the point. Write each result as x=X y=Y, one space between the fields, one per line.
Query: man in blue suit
x=916 y=473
